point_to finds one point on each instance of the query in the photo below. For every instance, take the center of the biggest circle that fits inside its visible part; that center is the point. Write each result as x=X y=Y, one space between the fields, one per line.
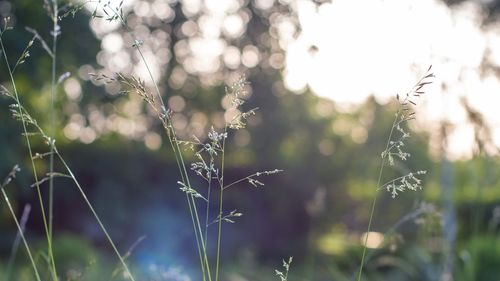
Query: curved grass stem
x=35 y=175
x=55 y=31
x=374 y=202
x=21 y=234
x=94 y=213
x=191 y=202
x=200 y=242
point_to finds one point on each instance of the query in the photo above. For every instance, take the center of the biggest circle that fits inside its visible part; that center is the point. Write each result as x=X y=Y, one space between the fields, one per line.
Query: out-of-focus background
x=324 y=75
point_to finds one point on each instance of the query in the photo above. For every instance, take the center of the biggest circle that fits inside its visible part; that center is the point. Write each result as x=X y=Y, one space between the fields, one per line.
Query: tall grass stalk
x=101 y=225
x=25 y=131
x=215 y=146
x=174 y=142
x=117 y=14
x=20 y=230
x=55 y=32
x=374 y=203
x=394 y=149
x=422 y=209
x=22 y=114
x=219 y=229
x=53 y=12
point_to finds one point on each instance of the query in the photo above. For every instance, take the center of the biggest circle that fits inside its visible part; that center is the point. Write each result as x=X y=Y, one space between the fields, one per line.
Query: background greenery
x=315 y=211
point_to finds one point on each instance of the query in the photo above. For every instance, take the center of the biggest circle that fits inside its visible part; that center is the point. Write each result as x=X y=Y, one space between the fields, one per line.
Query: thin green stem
x=151 y=76
x=193 y=202
x=179 y=158
x=249 y=177
x=183 y=170
x=374 y=202
x=21 y=233
x=172 y=140
x=19 y=61
x=238 y=181
x=103 y=228
x=25 y=131
x=200 y=235
x=221 y=197
x=53 y=86
x=137 y=47
x=408 y=217
x=381 y=186
x=207 y=211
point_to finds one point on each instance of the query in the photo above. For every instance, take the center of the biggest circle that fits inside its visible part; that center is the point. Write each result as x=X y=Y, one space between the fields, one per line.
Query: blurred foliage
x=315 y=211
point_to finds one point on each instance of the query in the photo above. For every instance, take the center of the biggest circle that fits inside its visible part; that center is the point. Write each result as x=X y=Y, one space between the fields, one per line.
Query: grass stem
x=18 y=225
x=55 y=31
x=35 y=175
x=374 y=202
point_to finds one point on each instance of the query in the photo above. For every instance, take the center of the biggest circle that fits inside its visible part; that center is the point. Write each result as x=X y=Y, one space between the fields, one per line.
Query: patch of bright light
x=374 y=240
x=347 y=54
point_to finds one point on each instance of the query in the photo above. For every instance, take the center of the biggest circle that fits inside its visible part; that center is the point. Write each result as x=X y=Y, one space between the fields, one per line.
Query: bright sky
x=346 y=51
x=365 y=47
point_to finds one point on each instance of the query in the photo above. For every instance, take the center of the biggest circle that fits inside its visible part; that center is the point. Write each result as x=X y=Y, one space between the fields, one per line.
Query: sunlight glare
x=346 y=54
